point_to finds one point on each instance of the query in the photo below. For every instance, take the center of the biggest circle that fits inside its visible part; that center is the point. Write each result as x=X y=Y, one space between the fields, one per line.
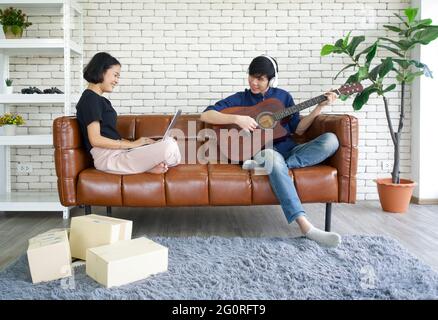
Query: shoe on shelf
x=36 y=90
x=53 y=90
x=27 y=90
x=56 y=90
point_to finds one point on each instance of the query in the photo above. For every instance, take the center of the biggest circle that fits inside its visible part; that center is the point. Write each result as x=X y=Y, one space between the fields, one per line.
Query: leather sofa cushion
x=229 y=185
x=187 y=185
x=99 y=188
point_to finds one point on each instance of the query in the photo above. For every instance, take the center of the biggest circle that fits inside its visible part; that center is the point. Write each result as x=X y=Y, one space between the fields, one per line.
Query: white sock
x=327 y=239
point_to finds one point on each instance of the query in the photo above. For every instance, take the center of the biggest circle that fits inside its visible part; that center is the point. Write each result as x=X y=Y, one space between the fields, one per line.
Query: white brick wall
x=188 y=54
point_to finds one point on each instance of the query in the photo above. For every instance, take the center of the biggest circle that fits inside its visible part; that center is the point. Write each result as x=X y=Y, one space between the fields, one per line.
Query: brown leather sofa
x=220 y=184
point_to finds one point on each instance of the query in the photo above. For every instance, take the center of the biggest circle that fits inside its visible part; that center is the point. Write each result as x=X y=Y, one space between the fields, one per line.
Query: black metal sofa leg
x=87 y=209
x=328 y=216
x=109 y=212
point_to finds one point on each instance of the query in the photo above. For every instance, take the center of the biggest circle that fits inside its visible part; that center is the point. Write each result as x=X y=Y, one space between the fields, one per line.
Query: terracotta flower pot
x=395 y=197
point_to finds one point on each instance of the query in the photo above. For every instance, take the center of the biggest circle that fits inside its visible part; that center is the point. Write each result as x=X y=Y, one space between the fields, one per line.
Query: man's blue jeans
x=303 y=155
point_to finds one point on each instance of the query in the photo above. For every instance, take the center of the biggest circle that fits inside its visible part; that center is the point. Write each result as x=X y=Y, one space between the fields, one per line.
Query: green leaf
x=343 y=97
x=396 y=43
x=403 y=20
x=371 y=54
x=362 y=98
x=393 y=50
x=403 y=63
x=387 y=66
x=418 y=25
x=406 y=63
x=411 y=13
x=343 y=69
x=339 y=43
x=351 y=48
x=426 y=71
x=406 y=44
x=427 y=35
x=400 y=78
x=362 y=73
x=345 y=42
x=374 y=72
x=392 y=28
x=327 y=49
x=353 y=78
x=390 y=87
x=366 y=50
x=425 y=22
x=411 y=76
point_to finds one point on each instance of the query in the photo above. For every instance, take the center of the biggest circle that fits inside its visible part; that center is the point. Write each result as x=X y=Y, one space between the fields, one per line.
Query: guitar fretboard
x=298 y=107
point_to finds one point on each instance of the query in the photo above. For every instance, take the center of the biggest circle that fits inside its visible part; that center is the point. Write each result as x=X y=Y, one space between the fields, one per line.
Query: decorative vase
x=9 y=90
x=395 y=197
x=9 y=129
x=13 y=32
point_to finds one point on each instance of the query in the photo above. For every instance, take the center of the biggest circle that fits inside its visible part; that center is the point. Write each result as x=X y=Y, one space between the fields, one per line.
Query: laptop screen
x=172 y=124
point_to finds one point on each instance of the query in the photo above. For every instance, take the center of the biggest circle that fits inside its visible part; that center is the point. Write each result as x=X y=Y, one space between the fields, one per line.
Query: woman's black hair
x=262 y=66
x=98 y=65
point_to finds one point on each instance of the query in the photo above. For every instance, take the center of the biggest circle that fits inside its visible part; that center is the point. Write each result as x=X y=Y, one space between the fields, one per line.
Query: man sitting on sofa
x=285 y=154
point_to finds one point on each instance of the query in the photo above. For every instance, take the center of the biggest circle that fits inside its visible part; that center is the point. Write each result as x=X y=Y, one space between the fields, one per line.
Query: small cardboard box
x=126 y=261
x=94 y=230
x=49 y=256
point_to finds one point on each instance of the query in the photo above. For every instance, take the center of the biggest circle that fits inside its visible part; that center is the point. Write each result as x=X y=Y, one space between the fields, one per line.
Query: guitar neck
x=298 y=107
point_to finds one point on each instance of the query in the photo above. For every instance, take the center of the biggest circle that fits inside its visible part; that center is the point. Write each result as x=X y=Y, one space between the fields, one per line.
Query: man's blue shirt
x=248 y=99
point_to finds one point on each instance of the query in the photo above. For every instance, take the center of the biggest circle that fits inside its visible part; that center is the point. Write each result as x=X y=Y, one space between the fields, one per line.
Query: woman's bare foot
x=159 y=168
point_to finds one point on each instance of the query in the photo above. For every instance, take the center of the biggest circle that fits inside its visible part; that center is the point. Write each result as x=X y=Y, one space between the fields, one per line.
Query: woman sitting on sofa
x=97 y=121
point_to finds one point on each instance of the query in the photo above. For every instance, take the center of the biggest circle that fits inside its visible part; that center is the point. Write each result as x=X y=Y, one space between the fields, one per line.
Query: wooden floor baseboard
x=424 y=201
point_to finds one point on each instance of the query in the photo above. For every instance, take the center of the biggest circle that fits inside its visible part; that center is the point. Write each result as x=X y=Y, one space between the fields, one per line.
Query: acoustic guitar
x=239 y=145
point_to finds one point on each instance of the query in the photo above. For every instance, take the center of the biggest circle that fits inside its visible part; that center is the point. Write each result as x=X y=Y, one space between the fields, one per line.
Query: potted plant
x=14 y=21
x=9 y=87
x=394 y=193
x=9 y=121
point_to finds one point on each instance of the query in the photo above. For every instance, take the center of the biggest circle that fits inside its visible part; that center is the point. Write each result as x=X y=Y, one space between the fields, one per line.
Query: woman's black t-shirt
x=93 y=107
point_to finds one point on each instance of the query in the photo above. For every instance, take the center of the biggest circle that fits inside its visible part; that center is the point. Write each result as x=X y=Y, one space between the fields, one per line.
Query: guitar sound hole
x=266 y=121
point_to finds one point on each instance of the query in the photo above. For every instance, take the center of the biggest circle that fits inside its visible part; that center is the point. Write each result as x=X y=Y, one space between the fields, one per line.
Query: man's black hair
x=262 y=66
x=98 y=65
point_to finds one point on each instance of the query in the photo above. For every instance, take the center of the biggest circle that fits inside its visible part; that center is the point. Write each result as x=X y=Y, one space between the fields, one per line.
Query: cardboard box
x=94 y=230
x=49 y=256
x=126 y=261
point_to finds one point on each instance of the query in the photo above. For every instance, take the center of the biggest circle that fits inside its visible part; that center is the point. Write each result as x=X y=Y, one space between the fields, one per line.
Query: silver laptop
x=172 y=124
x=167 y=133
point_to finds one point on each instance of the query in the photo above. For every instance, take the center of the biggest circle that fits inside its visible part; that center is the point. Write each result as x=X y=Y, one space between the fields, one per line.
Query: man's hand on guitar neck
x=306 y=121
x=331 y=97
x=246 y=123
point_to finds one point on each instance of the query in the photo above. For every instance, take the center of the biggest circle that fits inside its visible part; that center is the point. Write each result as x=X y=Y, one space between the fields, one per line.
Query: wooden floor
x=416 y=230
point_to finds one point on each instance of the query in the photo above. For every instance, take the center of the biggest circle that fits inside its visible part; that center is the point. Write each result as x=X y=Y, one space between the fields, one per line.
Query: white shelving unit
x=30 y=47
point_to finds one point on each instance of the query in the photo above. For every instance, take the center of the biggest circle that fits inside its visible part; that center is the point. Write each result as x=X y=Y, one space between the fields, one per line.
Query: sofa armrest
x=345 y=159
x=71 y=158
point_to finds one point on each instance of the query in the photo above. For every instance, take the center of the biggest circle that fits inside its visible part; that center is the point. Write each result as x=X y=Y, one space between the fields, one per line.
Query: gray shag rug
x=362 y=267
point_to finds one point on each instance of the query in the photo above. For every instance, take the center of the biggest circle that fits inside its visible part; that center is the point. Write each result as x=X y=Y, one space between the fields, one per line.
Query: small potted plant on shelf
x=14 y=21
x=10 y=121
x=9 y=87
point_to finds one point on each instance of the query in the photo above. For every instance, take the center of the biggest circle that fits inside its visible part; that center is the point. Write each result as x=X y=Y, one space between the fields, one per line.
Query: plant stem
x=395 y=136
x=402 y=108
x=388 y=118
x=396 y=168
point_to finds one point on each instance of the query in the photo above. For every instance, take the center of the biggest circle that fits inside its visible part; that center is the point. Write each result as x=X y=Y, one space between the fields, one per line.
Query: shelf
x=38 y=4
x=36 y=47
x=26 y=140
x=18 y=98
x=30 y=201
